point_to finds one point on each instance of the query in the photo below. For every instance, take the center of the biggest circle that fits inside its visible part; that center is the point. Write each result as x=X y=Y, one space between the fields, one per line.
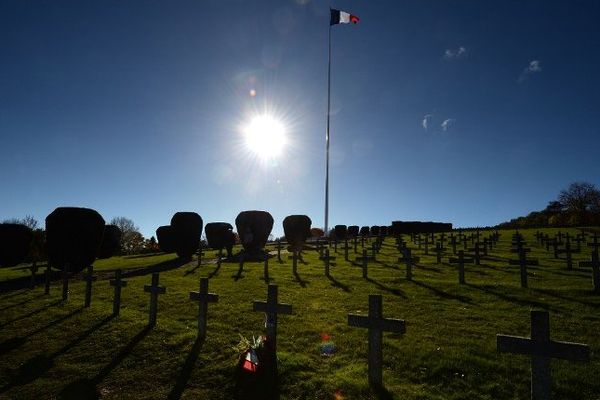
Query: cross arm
x=204 y=297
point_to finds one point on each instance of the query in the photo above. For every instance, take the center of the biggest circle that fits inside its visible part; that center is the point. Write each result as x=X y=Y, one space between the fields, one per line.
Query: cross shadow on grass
x=16 y=342
x=303 y=283
x=336 y=283
x=31 y=313
x=215 y=271
x=186 y=370
x=513 y=299
x=159 y=267
x=37 y=366
x=554 y=293
x=22 y=302
x=442 y=294
x=86 y=389
x=388 y=289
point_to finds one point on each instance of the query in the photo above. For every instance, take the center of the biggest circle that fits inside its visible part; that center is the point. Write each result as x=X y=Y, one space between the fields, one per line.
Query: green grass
x=48 y=347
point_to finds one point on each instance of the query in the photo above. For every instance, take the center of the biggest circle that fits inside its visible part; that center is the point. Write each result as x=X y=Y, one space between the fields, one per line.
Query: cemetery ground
x=55 y=349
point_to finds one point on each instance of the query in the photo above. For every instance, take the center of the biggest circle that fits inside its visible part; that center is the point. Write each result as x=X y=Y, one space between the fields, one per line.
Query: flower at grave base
x=338 y=395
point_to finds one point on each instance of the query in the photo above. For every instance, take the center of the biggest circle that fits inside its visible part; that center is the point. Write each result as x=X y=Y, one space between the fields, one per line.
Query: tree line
x=577 y=205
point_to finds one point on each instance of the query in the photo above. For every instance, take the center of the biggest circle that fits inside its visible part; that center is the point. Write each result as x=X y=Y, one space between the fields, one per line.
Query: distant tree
x=316 y=232
x=132 y=240
x=553 y=207
x=28 y=221
x=580 y=197
x=151 y=245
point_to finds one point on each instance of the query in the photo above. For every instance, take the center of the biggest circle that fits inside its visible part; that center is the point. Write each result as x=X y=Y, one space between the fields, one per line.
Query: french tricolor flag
x=342 y=17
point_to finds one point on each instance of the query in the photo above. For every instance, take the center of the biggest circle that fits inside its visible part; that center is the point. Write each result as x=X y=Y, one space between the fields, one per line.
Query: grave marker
x=522 y=262
x=47 y=279
x=376 y=325
x=203 y=297
x=595 y=265
x=542 y=350
x=118 y=283
x=272 y=308
x=461 y=261
x=89 y=278
x=409 y=260
x=154 y=291
x=327 y=260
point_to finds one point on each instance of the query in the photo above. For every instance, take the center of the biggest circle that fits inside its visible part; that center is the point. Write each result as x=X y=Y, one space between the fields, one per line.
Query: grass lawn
x=50 y=348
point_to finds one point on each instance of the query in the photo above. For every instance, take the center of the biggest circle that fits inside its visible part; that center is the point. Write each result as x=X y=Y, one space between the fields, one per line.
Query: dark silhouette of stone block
x=219 y=235
x=111 y=242
x=187 y=232
x=353 y=231
x=365 y=231
x=73 y=236
x=383 y=230
x=375 y=230
x=15 y=240
x=166 y=238
x=340 y=231
x=296 y=229
x=254 y=228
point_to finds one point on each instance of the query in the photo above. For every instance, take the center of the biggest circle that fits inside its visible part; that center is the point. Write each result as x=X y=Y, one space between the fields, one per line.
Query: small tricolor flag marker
x=342 y=17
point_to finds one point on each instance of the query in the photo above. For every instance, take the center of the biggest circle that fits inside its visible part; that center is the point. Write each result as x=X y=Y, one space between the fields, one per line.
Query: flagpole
x=327 y=138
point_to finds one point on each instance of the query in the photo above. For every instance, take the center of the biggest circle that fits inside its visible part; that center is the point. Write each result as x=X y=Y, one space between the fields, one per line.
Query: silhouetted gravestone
x=203 y=297
x=365 y=231
x=438 y=252
x=409 y=260
x=461 y=261
x=254 y=228
x=219 y=236
x=15 y=240
x=65 y=281
x=296 y=229
x=272 y=308
x=376 y=325
x=375 y=230
x=594 y=264
x=578 y=239
x=383 y=231
x=187 y=231
x=118 y=283
x=568 y=251
x=426 y=243
x=111 y=241
x=327 y=260
x=542 y=350
x=73 y=236
x=353 y=231
x=453 y=243
x=595 y=244
x=477 y=253
x=364 y=260
x=279 y=246
x=47 y=279
x=166 y=238
x=154 y=291
x=522 y=262
x=89 y=278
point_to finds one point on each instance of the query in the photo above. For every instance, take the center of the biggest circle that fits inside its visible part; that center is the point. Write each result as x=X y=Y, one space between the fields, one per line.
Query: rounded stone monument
x=73 y=236
x=111 y=242
x=166 y=239
x=254 y=228
x=15 y=240
x=187 y=232
x=353 y=231
x=296 y=229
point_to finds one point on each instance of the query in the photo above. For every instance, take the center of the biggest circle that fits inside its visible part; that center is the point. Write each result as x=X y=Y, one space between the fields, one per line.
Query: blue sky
x=135 y=108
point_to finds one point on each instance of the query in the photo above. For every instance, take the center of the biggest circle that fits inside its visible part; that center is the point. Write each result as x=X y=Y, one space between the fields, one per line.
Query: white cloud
x=425 y=122
x=455 y=53
x=447 y=124
x=533 y=68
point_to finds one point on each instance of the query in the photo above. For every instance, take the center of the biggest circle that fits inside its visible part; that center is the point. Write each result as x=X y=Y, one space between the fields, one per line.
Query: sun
x=265 y=137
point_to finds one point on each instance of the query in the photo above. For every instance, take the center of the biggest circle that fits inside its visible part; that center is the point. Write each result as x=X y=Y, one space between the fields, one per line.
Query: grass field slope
x=51 y=348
